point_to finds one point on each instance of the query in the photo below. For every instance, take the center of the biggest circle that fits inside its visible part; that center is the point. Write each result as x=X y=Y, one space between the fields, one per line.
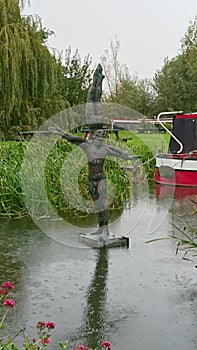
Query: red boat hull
x=180 y=178
x=176 y=170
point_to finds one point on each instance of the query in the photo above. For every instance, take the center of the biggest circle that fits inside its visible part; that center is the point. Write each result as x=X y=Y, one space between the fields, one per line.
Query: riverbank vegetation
x=12 y=202
x=36 y=83
x=60 y=182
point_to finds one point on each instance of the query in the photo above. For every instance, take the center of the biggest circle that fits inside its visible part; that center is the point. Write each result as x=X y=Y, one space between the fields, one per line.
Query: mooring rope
x=146 y=162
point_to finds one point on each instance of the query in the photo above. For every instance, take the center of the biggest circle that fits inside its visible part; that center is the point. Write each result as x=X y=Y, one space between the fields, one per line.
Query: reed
x=56 y=189
x=56 y=182
x=183 y=233
x=11 y=200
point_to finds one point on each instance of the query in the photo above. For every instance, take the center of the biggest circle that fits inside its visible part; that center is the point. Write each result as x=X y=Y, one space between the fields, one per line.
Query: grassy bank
x=11 y=199
x=57 y=181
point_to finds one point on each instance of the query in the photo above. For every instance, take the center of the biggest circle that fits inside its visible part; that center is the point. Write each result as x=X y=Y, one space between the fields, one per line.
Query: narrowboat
x=178 y=167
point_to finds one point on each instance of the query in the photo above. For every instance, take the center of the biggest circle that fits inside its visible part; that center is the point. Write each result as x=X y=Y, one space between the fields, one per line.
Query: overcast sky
x=148 y=30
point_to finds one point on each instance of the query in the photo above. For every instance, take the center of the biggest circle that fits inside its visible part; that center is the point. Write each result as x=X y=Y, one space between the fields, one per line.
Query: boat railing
x=169 y=132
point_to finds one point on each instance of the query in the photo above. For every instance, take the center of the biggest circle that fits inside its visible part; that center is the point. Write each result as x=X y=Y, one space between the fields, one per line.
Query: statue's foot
x=96 y=233
x=101 y=233
x=105 y=233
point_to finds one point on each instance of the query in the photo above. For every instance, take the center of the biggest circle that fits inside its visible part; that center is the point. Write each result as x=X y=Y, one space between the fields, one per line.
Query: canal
x=143 y=297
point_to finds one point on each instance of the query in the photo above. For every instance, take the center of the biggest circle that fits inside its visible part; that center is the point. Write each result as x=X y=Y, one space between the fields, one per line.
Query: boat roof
x=185 y=116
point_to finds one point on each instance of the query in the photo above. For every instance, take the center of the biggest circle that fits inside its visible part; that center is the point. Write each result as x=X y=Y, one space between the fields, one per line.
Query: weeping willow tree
x=29 y=73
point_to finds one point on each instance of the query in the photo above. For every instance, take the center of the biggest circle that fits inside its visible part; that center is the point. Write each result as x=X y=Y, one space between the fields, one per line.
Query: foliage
x=173 y=87
x=136 y=94
x=77 y=77
x=11 y=200
x=113 y=70
x=56 y=193
x=184 y=234
x=11 y=157
x=176 y=83
x=187 y=235
x=122 y=88
x=147 y=158
x=28 y=72
x=189 y=41
x=34 y=83
x=43 y=328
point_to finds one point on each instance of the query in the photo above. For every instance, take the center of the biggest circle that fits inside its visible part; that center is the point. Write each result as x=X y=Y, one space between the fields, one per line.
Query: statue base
x=110 y=241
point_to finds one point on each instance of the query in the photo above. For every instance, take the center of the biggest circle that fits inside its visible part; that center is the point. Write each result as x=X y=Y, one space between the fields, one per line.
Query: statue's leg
x=102 y=209
x=98 y=191
x=93 y=188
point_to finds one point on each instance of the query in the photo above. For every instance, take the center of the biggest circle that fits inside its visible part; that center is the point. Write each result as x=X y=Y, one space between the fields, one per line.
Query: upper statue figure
x=95 y=91
x=94 y=111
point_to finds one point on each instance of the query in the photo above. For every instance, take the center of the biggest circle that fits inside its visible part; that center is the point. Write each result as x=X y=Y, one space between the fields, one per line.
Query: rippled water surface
x=144 y=297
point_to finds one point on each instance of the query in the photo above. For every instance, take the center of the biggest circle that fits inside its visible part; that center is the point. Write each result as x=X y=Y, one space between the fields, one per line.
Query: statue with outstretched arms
x=96 y=152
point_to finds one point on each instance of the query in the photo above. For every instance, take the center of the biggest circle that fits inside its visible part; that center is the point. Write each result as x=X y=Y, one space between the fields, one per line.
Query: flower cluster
x=43 y=328
x=6 y=287
x=43 y=331
x=9 y=303
x=105 y=344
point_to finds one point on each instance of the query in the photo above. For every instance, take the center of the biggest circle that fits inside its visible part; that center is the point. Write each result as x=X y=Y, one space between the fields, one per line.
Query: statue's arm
x=116 y=152
x=73 y=139
x=70 y=138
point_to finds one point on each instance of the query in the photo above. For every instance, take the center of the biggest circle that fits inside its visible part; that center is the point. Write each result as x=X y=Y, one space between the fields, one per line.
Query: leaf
x=64 y=345
x=157 y=239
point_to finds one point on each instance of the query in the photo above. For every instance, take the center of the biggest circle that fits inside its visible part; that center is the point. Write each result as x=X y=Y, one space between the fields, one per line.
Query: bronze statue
x=96 y=152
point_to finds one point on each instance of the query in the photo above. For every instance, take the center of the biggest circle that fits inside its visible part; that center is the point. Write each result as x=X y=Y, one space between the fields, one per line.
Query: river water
x=143 y=297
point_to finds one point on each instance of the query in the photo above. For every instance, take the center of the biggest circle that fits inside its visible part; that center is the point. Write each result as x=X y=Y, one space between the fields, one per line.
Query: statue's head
x=99 y=135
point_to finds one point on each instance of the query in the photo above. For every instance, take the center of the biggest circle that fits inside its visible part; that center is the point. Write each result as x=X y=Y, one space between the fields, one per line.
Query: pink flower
x=106 y=344
x=9 y=303
x=81 y=347
x=7 y=285
x=3 y=292
x=50 y=325
x=45 y=341
x=41 y=325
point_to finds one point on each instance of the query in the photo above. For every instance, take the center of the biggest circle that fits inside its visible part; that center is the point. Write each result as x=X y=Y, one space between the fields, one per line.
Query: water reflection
x=95 y=315
x=184 y=198
x=184 y=201
x=12 y=234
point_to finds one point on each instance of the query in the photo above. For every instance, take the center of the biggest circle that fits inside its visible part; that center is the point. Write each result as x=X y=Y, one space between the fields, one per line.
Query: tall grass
x=11 y=199
x=58 y=181
x=183 y=233
x=11 y=196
